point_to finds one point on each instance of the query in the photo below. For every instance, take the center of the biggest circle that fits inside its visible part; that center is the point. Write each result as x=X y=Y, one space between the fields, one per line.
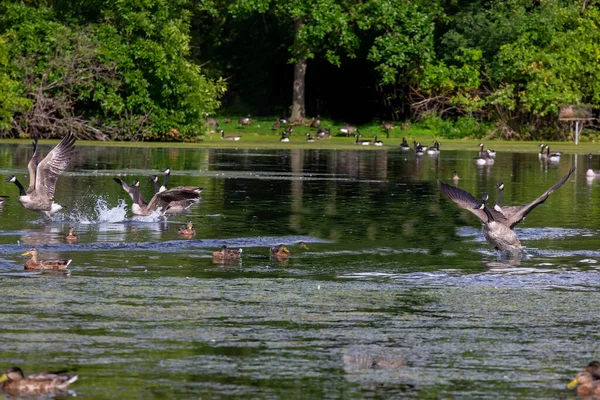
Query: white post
x=576 y=132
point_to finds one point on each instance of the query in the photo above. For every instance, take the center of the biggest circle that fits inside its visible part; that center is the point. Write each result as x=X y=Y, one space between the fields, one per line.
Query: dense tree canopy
x=154 y=69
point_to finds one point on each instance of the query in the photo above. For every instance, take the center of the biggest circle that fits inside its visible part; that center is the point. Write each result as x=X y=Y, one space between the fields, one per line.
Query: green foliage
x=128 y=77
x=12 y=99
x=461 y=127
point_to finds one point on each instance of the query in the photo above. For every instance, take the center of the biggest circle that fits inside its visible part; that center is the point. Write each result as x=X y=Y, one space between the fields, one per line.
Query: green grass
x=260 y=135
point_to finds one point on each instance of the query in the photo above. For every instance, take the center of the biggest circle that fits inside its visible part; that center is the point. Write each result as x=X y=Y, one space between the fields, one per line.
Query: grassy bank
x=260 y=135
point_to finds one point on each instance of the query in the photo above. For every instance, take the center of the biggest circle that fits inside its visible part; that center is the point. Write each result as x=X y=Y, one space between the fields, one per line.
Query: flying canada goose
x=34 y=263
x=348 y=129
x=43 y=176
x=361 y=142
x=435 y=149
x=72 y=236
x=161 y=201
x=498 y=228
x=164 y=186
x=592 y=173
x=309 y=139
x=387 y=126
x=377 y=142
x=552 y=157
x=245 y=121
x=484 y=157
x=18 y=385
x=229 y=137
x=226 y=254
x=315 y=122
x=284 y=137
x=323 y=133
x=279 y=253
x=404 y=145
x=187 y=230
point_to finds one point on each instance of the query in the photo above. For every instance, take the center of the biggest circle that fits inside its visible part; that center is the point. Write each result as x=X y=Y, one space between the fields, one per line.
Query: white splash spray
x=102 y=213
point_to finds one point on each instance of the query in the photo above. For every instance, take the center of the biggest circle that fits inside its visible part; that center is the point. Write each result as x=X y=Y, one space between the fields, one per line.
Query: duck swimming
x=72 y=236
x=187 y=230
x=587 y=383
x=15 y=383
x=43 y=175
x=497 y=227
x=279 y=253
x=226 y=254
x=34 y=263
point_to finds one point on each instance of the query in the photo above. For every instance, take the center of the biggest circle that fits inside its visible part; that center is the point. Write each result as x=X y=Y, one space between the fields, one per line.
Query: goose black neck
x=155 y=182
x=166 y=180
x=499 y=198
x=21 y=188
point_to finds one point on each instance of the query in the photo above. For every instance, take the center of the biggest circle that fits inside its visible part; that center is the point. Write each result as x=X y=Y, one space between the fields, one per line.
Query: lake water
x=398 y=296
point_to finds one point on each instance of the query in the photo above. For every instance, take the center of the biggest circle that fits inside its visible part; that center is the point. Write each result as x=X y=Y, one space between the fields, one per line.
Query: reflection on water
x=398 y=296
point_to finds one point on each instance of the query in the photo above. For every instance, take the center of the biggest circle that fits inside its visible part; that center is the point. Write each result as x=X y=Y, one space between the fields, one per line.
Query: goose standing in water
x=498 y=228
x=552 y=157
x=592 y=173
x=542 y=154
x=404 y=145
x=43 y=175
x=484 y=157
x=435 y=149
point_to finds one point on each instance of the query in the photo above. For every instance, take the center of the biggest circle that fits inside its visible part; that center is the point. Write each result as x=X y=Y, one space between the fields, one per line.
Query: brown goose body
x=161 y=201
x=35 y=263
x=15 y=383
x=176 y=206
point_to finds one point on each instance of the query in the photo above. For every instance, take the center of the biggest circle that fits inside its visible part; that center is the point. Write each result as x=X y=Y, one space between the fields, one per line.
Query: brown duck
x=16 y=384
x=34 y=263
x=226 y=254
x=72 y=236
x=187 y=230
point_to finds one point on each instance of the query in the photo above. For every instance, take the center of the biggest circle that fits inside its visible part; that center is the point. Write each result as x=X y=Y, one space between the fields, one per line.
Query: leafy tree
x=122 y=74
x=12 y=99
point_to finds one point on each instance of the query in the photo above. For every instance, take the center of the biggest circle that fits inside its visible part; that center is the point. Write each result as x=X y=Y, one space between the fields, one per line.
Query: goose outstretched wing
x=52 y=166
x=464 y=200
x=526 y=209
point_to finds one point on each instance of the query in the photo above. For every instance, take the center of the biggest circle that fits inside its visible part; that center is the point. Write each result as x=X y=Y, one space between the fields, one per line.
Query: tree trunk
x=298 y=100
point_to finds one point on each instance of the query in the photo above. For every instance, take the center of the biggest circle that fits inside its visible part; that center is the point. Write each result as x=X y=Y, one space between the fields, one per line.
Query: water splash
x=101 y=213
